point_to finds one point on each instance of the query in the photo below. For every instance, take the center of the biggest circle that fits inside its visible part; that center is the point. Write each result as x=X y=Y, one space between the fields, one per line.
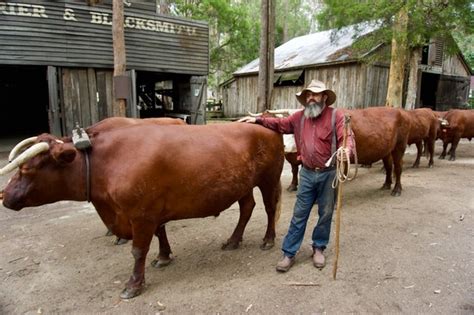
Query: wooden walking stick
x=347 y=120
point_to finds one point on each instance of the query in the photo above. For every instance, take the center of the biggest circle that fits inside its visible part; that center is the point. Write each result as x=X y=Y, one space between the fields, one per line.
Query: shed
x=444 y=79
x=56 y=65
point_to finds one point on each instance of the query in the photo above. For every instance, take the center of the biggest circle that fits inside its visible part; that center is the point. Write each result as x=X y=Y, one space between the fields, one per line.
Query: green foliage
x=234 y=33
x=427 y=18
x=234 y=29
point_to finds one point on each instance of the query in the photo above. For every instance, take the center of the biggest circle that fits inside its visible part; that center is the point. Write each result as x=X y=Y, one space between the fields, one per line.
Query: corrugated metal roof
x=313 y=48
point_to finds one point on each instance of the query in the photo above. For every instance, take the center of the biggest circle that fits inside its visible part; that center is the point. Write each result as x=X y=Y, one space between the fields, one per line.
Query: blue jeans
x=313 y=187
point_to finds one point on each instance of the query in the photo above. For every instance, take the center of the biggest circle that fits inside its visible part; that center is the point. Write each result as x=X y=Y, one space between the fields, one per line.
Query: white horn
x=20 y=146
x=25 y=156
x=254 y=115
x=278 y=111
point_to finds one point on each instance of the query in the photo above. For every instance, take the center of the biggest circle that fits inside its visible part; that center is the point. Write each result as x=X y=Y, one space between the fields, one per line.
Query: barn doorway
x=24 y=105
x=429 y=87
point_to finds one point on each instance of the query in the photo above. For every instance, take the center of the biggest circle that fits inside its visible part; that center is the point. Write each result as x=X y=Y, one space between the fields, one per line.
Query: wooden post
x=267 y=44
x=119 y=108
x=347 y=120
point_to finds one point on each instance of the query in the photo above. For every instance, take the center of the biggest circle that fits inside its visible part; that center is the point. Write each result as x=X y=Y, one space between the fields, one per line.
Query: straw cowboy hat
x=316 y=87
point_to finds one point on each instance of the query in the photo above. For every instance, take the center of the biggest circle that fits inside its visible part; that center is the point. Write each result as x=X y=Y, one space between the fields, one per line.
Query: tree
x=234 y=25
x=232 y=28
x=426 y=20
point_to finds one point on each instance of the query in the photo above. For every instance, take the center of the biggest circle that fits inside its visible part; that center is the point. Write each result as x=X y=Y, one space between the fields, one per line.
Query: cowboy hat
x=316 y=87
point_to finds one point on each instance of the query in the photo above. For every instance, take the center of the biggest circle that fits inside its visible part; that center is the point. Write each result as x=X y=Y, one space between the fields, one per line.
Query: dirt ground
x=411 y=254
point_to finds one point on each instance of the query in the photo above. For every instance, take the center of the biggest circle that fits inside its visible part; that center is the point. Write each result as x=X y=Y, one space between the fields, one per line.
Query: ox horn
x=254 y=115
x=278 y=111
x=19 y=146
x=25 y=156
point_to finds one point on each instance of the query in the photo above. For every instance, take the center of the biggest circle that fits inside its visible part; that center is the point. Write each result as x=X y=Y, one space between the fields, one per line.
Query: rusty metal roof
x=314 y=48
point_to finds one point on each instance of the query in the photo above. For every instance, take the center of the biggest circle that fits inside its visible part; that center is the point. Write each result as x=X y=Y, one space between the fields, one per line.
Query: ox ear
x=64 y=152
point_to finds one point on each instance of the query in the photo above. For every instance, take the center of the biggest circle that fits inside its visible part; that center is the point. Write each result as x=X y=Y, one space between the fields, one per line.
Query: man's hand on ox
x=248 y=119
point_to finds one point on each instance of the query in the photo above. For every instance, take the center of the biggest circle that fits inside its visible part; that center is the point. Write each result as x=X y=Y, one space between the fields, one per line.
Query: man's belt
x=319 y=169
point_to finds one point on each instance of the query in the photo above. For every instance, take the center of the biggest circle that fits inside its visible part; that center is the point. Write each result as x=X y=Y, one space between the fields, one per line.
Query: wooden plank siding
x=86 y=95
x=70 y=33
x=356 y=85
x=452 y=65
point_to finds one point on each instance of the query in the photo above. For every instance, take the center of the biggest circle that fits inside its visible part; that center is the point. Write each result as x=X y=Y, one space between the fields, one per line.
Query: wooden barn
x=56 y=65
x=444 y=79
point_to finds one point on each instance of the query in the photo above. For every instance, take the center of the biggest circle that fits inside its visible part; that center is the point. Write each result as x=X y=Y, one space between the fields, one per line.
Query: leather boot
x=319 y=261
x=285 y=264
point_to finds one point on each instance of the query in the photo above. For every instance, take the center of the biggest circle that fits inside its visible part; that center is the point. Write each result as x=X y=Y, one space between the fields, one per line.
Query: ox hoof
x=452 y=158
x=161 y=262
x=109 y=233
x=292 y=188
x=441 y=157
x=396 y=193
x=385 y=187
x=120 y=241
x=229 y=245
x=267 y=245
x=416 y=165
x=130 y=293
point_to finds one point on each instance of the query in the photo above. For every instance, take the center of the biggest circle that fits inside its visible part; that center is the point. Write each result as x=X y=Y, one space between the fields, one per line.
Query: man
x=313 y=130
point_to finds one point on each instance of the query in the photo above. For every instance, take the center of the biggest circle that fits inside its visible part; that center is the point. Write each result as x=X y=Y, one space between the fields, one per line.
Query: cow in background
x=291 y=155
x=460 y=124
x=381 y=133
x=144 y=176
x=424 y=126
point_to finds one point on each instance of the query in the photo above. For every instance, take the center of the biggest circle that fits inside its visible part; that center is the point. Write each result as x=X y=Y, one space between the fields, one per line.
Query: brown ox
x=460 y=125
x=424 y=126
x=144 y=176
x=381 y=133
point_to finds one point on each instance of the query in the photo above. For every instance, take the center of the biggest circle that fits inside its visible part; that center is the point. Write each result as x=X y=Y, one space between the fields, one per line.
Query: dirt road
x=410 y=254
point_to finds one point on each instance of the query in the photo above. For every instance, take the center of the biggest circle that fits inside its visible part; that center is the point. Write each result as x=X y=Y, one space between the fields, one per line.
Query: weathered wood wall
x=356 y=86
x=452 y=65
x=86 y=94
x=70 y=33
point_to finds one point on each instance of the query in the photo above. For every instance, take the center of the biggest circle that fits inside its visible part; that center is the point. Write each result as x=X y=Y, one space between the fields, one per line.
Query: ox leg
x=418 y=154
x=443 y=154
x=164 y=256
x=454 y=145
x=142 y=236
x=272 y=201
x=387 y=164
x=292 y=159
x=430 y=144
x=294 y=181
x=246 y=204
x=397 y=165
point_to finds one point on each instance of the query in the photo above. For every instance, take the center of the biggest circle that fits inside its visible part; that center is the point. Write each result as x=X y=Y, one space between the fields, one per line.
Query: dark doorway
x=429 y=86
x=24 y=101
x=159 y=95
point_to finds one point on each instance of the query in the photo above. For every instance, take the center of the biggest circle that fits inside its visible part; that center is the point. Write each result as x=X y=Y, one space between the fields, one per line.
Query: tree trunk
x=267 y=42
x=398 y=60
x=415 y=57
x=119 y=52
x=164 y=7
x=284 y=22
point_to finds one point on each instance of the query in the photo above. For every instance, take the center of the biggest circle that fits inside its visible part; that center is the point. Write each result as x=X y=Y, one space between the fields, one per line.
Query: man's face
x=314 y=104
x=315 y=97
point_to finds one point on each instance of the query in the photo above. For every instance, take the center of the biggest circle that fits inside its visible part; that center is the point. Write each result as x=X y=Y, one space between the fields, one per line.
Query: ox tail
x=278 y=204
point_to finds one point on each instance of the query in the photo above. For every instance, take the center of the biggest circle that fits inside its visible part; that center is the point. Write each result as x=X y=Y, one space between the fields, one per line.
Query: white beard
x=313 y=109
